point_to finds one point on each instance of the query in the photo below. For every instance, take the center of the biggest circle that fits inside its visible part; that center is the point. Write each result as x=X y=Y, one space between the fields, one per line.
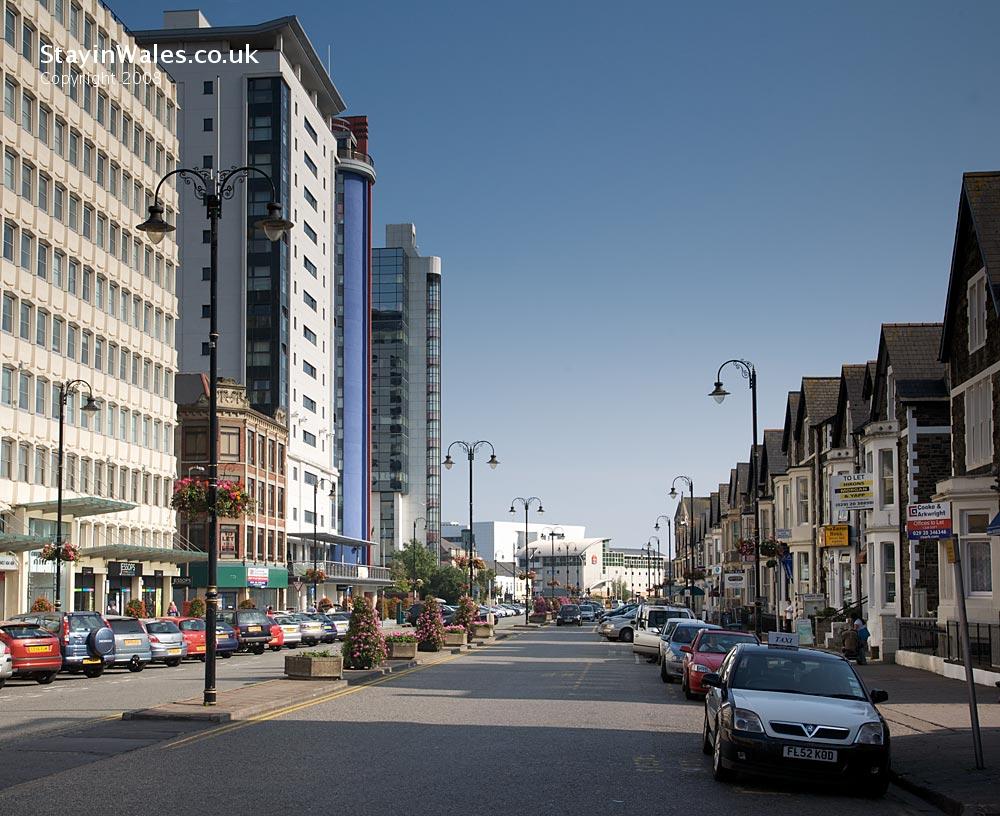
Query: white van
x=648 y=621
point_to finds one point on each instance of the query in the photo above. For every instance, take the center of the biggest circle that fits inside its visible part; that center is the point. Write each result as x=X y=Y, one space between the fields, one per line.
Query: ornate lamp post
x=212 y=186
x=526 y=504
x=470 y=449
x=418 y=518
x=65 y=389
x=670 y=560
x=332 y=495
x=690 y=531
x=659 y=562
x=719 y=393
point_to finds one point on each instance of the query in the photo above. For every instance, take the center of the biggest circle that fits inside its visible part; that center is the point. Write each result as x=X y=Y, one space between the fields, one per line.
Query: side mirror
x=711 y=680
x=687 y=649
x=654 y=631
x=878 y=696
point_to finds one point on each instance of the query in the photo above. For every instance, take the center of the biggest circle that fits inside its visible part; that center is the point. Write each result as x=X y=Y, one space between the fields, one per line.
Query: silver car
x=166 y=641
x=132 y=646
x=291 y=630
x=312 y=630
x=618 y=628
x=340 y=621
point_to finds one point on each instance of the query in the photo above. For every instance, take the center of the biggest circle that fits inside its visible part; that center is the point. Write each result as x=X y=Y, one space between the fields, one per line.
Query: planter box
x=428 y=647
x=538 y=619
x=454 y=638
x=298 y=667
x=482 y=630
x=401 y=650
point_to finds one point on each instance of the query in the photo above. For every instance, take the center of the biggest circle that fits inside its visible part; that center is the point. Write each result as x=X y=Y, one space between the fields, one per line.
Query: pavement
x=551 y=720
x=932 y=749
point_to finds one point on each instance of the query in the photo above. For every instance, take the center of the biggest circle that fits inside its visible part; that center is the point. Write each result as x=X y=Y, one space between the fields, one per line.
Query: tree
x=485 y=579
x=448 y=583
x=430 y=627
x=364 y=644
x=414 y=562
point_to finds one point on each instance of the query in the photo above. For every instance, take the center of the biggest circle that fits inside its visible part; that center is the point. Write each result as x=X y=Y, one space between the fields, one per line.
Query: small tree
x=196 y=608
x=466 y=613
x=324 y=605
x=42 y=604
x=430 y=625
x=447 y=583
x=415 y=563
x=541 y=606
x=246 y=603
x=364 y=644
x=135 y=608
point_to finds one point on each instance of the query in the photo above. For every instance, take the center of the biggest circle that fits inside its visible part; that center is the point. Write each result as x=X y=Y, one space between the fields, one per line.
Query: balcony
x=341 y=572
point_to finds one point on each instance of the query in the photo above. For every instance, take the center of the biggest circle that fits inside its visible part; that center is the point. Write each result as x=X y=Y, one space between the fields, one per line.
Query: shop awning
x=134 y=552
x=76 y=507
x=993 y=528
x=329 y=538
x=13 y=543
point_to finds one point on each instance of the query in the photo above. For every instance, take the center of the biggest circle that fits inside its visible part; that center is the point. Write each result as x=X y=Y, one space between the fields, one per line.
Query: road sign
x=928 y=521
x=852 y=491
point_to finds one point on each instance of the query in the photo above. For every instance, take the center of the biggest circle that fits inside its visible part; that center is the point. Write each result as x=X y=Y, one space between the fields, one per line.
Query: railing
x=943 y=640
x=357 y=155
x=340 y=569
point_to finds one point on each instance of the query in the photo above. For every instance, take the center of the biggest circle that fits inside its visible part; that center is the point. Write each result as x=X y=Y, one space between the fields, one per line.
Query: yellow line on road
x=226 y=728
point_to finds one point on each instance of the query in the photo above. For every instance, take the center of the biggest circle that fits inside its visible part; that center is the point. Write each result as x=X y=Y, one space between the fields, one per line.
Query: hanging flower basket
x=68 y=552
x=460 y=561
x=771 y=563
x=526 y=576
x=314 y=576
x=191 y=498
x=478 y=563
x=769 y=548
x=553 y=584
x=746 y=548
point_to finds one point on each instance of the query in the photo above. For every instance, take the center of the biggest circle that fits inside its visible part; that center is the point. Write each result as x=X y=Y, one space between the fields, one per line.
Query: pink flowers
x=364 y=645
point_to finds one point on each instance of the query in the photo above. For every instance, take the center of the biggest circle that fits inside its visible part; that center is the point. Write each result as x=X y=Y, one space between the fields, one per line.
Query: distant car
x=311 y=630
x=226 y=642
x=447 y=614
x=619 y=627
x=277 y=635
x=329 y=630
x=290 y=629
x=34 y=652
x=340 y=621
x=86 y=641
x=587 y=613
x=193 y=631
x=681 y=634
x=705 y=654
x=569 y=613
x=253 y=629
x=132 y=645
x=165 y=641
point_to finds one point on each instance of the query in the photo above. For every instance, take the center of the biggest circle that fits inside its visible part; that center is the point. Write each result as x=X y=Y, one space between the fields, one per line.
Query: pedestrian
x=172 y=610
x=849 y=642
x=111 y=608
x=863 y=636
x=270 y=610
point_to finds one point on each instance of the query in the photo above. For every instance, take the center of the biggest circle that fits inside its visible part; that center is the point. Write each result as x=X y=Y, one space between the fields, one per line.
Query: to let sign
x=928 y=521
x=852 y=491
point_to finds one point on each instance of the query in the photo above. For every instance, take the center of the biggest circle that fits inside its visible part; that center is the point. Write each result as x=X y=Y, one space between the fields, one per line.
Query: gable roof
x=851 y=393
x=913 y=351
x=775 y=461
x=791 y=411
x=978 y=209
x=819 y=399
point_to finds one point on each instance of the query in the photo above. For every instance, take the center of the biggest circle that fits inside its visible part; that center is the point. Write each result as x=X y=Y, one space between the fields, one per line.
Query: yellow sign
x=949 y=549
x=835 y=535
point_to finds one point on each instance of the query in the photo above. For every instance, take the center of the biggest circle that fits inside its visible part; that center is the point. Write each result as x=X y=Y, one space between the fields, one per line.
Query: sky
x=624 y=197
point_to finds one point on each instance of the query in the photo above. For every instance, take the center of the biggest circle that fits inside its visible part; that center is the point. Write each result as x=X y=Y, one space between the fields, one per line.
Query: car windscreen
x=129 y=626
x=569 y=609
x=162 y=628
x=657 y=617
x=796 y=673
x=192 y=626
x=85 y=623
x=722 y=642
x=684 y=634
x=251 y=617
x=21 y=631
x=340 y=617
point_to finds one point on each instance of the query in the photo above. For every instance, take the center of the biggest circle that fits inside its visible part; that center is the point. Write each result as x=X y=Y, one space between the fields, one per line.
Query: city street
x=554 y=716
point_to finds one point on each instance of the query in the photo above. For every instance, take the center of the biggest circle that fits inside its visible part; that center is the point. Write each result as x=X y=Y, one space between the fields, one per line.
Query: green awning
x=13 y=543
x=134 y=552
x=76 y=507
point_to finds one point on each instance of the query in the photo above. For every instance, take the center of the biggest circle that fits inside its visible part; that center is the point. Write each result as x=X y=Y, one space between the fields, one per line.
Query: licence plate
x=173 y=651
x=816 y=754
x=90 y=661
x=253 y=628
x=39 y=649
x=199 y=648
x=135 y=642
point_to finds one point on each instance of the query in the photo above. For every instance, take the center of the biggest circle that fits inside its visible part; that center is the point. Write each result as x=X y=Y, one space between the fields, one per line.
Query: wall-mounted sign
x=835 y=535
x=852 y=491
x=735 y=580
x=928 y=521
x=181 y=581
x=257 y=576
x=8 y=562
x=783 y=534
x=125 y=569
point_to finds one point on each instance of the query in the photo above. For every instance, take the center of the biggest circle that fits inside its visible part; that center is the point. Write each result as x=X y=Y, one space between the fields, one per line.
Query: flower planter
x=428 y=647
x=399 y=651
x=298 y=667
x=454 y=638
x=482 y=630
x=543 y=618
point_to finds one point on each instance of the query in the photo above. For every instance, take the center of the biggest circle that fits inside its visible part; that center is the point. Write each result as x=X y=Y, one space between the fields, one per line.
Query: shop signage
x=949 y=549
x=735 y=580
x=87 y=570
x=181 y=581
x=38 y=564
x=343 y=587
x=8 y=562
x=257 y=576
x=593 y=559
x=125 y=569
x=928 y=521
x=852 y=491
x=835 y=535
x=783 y=534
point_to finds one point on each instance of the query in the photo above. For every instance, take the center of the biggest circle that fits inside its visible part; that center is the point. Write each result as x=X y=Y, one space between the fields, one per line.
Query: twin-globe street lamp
x=319 y=482
x=212 y=186
x=470 y=449
x=670 y=560
x=747 y=370
x=690 y=530
x=526 y=503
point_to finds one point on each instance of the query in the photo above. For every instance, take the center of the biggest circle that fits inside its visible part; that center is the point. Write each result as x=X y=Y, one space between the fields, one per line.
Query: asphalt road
x=552 y=721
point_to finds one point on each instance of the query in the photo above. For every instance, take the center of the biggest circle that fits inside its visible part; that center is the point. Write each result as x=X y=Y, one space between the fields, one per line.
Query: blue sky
x=625 y=196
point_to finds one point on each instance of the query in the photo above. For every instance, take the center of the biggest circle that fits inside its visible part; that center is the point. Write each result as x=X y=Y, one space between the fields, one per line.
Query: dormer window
x=977 y=310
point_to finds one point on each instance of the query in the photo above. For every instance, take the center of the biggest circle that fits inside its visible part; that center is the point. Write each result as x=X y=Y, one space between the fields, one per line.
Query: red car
x=277 y=636
x=35 y=651
x=705 y=655
x=193 y=631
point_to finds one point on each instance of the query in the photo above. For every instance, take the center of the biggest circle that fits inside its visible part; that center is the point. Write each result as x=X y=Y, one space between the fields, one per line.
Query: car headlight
x=745 y=720
x=870 y=733
x=697 y=667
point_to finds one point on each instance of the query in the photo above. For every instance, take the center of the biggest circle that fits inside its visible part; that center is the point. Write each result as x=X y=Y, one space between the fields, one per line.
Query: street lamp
x=659 y=562
x=470 y=449
x=526 y=503
x=65 y=389
x=212 y=186
x=670 y=560
x=747 y=370
x=649 y=557
x=553 y=535
x=690 y=531
x=332 y=495
x=418 y=518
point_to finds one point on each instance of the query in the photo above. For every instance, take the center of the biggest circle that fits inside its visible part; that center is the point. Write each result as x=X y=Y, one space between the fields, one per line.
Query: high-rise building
x=89 y=309
x=277 y=307
x=406 y=390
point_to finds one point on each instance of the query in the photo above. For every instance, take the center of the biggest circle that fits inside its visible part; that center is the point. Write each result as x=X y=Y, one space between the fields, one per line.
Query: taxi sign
x=783 y=640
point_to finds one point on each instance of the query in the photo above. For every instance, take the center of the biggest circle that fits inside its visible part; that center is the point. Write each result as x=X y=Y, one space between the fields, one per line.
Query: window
x=310 y=164
x=886 y=477
x=310 y=266
x=978 y=424
x=7 y=320
x=310 y=130
x=977 y=311
x=310 y=198
x=977 y=557
x=309 y=438
x=229 y=444
x=206 y=125
x=889 y=571
x=309 y=334
x=802 y=500
x=309 y=403
x=309 y=369
x=310 y=232
x=309 y=300
x=208 y=87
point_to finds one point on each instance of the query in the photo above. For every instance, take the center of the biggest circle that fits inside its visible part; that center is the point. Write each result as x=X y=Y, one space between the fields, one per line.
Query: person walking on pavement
x=849 y=642
x=863 y=636
x=172 y=610
x=789 y=615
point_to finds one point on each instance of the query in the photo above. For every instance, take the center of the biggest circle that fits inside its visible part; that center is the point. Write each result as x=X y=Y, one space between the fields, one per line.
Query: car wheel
x=227 y=655
x=93 y=671
x=706 y=737
x=173 y=662
x=258 y=649
x=625 y=635
x=45 y=678
x=201 y=658
x=275 y=648
x=135 y=665
x=719 y=772
x=686 y=688
x=878 y=788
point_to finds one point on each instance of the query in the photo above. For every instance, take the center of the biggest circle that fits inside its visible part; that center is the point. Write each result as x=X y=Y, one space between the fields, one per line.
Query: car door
x=647 y=634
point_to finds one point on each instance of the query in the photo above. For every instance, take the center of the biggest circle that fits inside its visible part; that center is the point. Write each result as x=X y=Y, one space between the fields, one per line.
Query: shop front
x=264 y=586
x=85 y=590
x=124 y=579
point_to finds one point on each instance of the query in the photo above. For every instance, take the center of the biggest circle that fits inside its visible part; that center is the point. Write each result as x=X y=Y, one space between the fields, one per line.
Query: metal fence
x=944 y=640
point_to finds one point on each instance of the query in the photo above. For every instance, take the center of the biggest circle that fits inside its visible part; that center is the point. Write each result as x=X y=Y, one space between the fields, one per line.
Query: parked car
x=86 y=642
x=447 y=614
x=569 y=613
x=165 y=641
x=329 y=630
x=290 y=629
x=277 y=635
x=6 y=664
x=680 y=634
x=619 y=627
x=340 y=621
x=226 y=642
x=795 y=713
x=132 y=645
x=253 y=629
x=34 y=653
x=311 y=631
x=618 y=612
x=705 y=655
x=193 y=631
x=588 y=613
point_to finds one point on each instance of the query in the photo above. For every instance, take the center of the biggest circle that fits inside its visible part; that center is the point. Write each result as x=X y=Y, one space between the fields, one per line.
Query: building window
x=886 y=477
x=196 y=444
x=309 y=438
x=206 y=125
x=977 y=557
x=309 y=369
x=977 y=311
x=229 y=444
x=889 y=571
x=208 y=87
x=309 y=334
x=309 y=300
x=978 y=424
x=802 y=500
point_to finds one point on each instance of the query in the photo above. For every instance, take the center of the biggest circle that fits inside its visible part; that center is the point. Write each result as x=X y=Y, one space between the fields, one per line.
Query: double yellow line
x=270 y=715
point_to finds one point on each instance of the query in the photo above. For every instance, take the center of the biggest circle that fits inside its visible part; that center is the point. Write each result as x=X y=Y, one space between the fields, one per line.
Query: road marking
x=647 y=763
x=226 y=728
